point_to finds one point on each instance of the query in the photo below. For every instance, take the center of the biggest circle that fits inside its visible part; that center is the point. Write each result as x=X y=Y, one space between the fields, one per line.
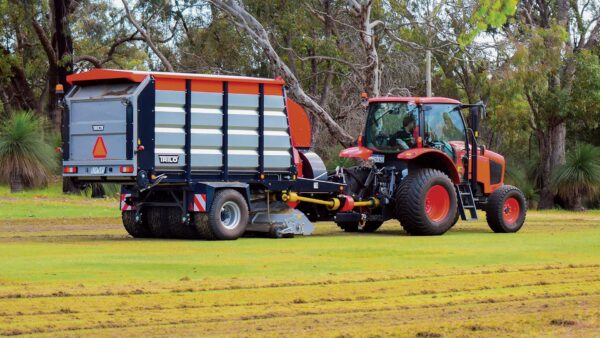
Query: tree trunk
x=577 y=203
x=552 y=154
x=16 y=183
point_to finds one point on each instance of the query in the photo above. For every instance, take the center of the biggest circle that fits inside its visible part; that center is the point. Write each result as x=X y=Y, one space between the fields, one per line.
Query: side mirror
x=476 y=113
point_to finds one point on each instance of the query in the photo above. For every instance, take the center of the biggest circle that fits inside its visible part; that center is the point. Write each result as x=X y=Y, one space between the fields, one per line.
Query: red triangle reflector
x=99 y=150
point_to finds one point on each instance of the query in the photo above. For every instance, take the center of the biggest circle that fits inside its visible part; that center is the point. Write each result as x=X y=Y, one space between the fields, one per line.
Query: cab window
x=392 y=126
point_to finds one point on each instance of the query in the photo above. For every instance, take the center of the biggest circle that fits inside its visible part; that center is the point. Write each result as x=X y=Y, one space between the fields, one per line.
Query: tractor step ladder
x=466 y=201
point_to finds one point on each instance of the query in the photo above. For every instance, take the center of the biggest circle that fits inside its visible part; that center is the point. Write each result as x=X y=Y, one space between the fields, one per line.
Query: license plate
x=98 y=170
x=377 y=158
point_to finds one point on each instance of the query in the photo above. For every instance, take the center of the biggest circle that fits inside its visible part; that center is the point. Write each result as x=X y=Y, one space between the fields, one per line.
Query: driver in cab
x=405 y=134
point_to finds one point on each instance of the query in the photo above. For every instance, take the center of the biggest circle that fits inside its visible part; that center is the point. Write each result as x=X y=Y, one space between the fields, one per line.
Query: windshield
x=392 y=126
x=443 y=123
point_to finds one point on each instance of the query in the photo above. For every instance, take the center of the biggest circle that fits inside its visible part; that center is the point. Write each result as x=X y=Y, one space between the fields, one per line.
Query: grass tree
x=25 y=155
x=579 y=178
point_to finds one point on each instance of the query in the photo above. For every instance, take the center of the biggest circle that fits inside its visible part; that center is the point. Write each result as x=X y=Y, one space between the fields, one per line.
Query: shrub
x=26 y=158
x=579 y=177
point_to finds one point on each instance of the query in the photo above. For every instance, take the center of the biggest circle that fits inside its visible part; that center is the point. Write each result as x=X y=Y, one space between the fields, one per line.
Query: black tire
x=227 y=217
x=371 y=226
x=158 y=222
x=178 y=228
x=348 y=226
x=499 y=205
x=135 y=229
x=200 y=223
x=411 y=204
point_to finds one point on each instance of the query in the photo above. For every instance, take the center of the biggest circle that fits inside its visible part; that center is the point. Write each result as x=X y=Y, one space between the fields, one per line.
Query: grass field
x=67 y=268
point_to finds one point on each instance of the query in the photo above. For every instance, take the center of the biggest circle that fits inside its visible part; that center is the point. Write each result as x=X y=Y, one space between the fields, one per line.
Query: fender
x=357 y=152
x=431 y=158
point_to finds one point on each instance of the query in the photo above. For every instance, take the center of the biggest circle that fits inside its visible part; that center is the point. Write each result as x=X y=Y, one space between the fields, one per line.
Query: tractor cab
x=395 y=125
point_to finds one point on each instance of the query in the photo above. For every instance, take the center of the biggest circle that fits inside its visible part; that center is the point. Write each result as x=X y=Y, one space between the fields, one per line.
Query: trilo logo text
x=168 y=158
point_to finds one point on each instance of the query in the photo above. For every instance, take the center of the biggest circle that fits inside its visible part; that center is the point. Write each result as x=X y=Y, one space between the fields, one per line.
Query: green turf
x=51 y=203
x=69 y=276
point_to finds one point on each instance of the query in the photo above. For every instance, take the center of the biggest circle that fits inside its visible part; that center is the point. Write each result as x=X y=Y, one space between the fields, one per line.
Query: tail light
x=126 y=169
x=70 y=170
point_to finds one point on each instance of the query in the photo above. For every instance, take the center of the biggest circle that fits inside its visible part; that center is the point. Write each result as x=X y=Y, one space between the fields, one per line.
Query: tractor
x=423 y=166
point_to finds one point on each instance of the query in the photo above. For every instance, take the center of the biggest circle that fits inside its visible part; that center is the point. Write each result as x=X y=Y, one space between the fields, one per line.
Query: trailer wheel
x=227 y=217
x=506 y=209
x=178 y=228
x=159 y=222
x=426 y=203
x=135 y=229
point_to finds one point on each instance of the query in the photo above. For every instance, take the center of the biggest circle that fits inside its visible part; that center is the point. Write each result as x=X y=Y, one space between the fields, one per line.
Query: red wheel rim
x=437 y=203
x=511 y=210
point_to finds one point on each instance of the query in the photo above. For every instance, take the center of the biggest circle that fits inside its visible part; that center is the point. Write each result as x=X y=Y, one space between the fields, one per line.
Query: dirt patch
x=563 y=322
x=56 y=222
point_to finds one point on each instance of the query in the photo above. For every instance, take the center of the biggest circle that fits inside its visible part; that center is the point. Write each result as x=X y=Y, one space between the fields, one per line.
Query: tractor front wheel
x=426 y=203
x=506 y=209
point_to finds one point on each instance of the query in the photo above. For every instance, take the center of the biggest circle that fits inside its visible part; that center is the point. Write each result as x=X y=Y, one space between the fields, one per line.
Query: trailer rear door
x=102 y=120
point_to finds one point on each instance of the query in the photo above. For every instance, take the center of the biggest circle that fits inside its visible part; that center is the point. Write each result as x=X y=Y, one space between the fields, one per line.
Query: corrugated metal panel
x=169 y=130
x=277 y=138
x=207 y=137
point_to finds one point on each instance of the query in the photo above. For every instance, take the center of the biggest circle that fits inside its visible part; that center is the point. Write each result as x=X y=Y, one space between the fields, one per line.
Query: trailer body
x=175 y=140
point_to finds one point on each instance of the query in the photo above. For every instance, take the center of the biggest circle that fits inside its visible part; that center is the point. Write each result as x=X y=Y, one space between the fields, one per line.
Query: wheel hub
x=511 y=210
x=230 y=215
x=437 y=203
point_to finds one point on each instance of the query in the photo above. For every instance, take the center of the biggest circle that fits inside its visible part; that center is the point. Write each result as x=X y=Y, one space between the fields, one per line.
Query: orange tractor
x=425 y=169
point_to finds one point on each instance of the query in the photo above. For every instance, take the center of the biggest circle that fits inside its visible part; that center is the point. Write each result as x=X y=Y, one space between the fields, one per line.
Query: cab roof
x=413 y=99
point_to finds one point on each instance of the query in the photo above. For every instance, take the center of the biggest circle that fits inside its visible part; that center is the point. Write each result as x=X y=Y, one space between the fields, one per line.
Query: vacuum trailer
x=215 y=157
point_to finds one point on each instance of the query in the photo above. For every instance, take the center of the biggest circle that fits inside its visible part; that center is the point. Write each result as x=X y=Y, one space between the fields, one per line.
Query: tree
x=254 y=29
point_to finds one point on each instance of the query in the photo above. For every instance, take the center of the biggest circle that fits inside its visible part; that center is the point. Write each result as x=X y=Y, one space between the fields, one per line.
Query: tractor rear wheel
x=135 y=229
x=506 y=209
x=158 y=220
x=426 y=203
x=227 y=217
x=178 y=228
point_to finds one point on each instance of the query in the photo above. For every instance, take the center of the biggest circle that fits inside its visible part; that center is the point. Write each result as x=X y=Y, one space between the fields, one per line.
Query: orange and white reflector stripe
x=126 y=169
x=199 y=204
x=125 y=206
x=70 y=170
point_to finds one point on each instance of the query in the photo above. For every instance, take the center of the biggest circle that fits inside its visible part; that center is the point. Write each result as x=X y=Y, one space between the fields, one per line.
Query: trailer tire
x=178 y=228
x=426 y=203
x=159 y=222
x=200 y=223
x=135 y=229
x=506 y=209
x=227 y=216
